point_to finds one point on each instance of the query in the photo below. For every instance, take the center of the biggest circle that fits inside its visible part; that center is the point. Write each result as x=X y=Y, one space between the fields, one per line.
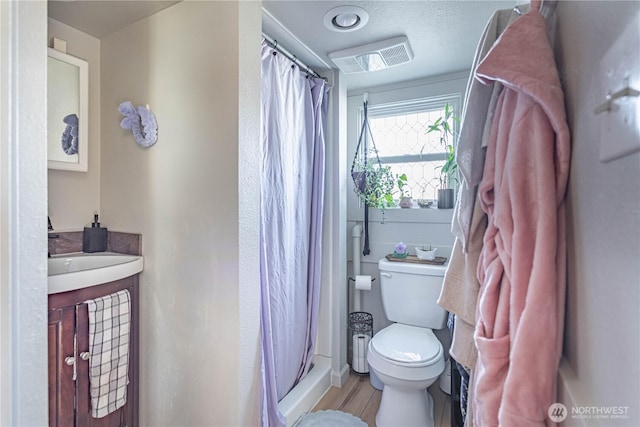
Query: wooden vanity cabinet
x=69 y=399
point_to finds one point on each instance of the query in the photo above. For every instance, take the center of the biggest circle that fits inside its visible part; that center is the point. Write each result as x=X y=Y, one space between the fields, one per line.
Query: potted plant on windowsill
x=405 y=198
x=448 y=171
x=423 y=202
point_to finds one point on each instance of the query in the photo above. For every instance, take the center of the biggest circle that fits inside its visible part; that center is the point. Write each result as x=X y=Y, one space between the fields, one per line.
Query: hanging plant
x=373 y=184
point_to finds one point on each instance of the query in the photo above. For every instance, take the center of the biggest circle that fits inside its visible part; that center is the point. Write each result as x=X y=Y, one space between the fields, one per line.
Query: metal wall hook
x=609 y=104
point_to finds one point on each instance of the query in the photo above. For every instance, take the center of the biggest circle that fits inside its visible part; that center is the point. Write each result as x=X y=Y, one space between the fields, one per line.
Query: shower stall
x=303 y=223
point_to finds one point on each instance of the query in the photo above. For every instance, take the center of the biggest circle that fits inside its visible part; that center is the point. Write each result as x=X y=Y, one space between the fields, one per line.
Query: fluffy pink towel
x=522 y=265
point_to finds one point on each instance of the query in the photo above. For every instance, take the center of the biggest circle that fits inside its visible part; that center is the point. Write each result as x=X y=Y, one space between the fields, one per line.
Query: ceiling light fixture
x=346 y=18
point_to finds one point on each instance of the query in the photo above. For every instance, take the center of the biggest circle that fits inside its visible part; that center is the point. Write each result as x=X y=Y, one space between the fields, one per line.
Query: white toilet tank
x=410 y=293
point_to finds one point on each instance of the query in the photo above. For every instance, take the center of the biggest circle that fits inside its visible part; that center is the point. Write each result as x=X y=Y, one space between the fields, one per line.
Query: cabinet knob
x=70 y=360
x=84 y=355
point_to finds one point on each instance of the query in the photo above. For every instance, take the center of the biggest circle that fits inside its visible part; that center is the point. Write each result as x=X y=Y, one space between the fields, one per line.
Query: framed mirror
x=67 y=112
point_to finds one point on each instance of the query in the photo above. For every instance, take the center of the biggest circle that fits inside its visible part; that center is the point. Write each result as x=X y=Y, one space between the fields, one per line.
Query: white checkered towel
x=109 y=325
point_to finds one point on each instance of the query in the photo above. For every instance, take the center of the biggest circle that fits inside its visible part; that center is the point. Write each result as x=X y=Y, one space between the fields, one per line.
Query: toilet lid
x=407 y=345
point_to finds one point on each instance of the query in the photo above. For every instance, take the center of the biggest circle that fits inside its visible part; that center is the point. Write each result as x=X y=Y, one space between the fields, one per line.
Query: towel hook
x=622 y=93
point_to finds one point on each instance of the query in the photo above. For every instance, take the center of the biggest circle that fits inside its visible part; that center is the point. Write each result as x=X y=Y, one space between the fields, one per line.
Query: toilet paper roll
x=360 y=365
x=359 y=359
x=363 y=283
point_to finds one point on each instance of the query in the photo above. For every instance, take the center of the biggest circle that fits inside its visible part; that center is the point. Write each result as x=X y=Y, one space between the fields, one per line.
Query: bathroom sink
x=69 y=272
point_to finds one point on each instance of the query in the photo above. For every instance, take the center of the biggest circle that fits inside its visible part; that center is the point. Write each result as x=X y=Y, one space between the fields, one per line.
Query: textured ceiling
x=442 y=34
x=101 y=18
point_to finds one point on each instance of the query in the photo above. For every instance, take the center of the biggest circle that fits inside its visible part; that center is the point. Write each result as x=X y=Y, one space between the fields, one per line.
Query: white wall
x=332 y=315
x=74 y=196
x=23 y=203
x=412 y=226
x=182 y=194
x=249 y=160
x=602 y=330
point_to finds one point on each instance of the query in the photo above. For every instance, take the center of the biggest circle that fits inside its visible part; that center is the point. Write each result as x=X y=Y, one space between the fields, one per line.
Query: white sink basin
x=75 y=271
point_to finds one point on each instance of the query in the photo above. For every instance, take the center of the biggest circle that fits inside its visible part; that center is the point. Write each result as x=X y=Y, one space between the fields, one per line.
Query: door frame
x=23 y=206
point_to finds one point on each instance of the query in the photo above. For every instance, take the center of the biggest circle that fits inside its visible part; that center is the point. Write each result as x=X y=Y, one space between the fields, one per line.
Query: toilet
x=406 y=356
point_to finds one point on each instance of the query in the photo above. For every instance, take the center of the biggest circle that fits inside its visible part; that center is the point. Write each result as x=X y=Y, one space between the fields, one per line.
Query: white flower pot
x=422 y=253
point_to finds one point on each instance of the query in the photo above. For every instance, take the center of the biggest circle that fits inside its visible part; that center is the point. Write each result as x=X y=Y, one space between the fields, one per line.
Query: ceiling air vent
x=374 y=56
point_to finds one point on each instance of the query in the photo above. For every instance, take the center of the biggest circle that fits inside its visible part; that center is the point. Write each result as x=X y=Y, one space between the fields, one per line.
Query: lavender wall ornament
x=141 y=121
x=70 y=135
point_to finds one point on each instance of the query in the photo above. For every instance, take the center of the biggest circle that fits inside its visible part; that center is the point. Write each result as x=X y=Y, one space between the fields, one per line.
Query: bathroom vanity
x=69 y=400
x=74 y=278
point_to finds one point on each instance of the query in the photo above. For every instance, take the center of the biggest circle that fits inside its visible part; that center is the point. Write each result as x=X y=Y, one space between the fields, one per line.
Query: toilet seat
x=408 y=346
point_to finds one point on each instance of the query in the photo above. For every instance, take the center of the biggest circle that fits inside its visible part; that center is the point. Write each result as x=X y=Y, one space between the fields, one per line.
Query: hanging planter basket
x=359 y=181
x=372 y=182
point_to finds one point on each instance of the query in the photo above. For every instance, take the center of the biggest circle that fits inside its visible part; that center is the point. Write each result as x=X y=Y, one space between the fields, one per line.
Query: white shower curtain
x=294 y=111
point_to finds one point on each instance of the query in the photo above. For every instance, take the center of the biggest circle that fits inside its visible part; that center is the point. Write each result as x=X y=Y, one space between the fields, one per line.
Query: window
x=400 y=134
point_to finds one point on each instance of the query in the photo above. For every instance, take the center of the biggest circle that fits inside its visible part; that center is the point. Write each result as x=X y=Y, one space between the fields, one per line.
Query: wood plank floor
x=359 y=398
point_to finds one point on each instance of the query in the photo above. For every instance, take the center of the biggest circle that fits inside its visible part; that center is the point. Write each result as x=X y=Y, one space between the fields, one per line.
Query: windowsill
x=415 y=214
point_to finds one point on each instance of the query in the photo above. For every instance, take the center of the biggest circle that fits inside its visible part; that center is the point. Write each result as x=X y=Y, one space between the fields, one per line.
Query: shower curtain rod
x=274 y=45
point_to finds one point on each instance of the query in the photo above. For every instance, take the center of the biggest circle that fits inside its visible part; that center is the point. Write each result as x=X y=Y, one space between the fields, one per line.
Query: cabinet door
x=61 y=329
x=120 y=418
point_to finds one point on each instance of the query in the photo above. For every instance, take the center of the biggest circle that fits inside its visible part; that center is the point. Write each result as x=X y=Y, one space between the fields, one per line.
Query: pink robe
x=522 y=267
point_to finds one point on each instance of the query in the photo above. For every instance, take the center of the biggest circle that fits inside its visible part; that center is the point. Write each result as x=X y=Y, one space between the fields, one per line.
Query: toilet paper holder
x=351 y=279
x=360 y=332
